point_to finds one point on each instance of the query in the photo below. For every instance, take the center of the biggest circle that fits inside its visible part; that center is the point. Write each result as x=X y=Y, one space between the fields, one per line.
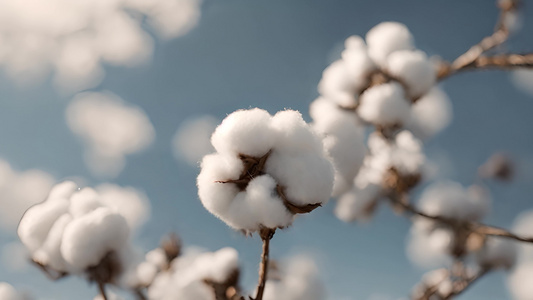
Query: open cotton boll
x=344 y=141
x=497 y=253
x=38 y=220
x=407 y=156
x=430 y=114
x=428 y=247
x=299 y=280
x=215 y=196
x=49 y=254
x=386 y=38
x=307 y=177
x=358 y=63
x=87 y=239
x=414 y=69
x=384 y=105
x=8 y=292
x=439 y=278
x=188 y=276
x=130 y=202
x=83 y=202
x=337 y=86
x=450 y=199
x=520 y=281
x=523 y=225
x=294 y=134
x=358 y=204
x=245 y=132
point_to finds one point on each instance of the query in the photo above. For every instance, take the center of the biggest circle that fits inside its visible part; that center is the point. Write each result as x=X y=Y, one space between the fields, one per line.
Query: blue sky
x=270 y=54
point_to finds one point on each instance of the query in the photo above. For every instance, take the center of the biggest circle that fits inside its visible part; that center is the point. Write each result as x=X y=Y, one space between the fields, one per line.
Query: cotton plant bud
x=386 y=38
x=344 y=141
x=8 y=292
x=414 y=70
x=499 y=166
x=266 y=170
x=195 y=276
x=298 y=279
x=497 y=253
x=430 y=114
x=81 y=231
x=384 y=105
x=520 y=281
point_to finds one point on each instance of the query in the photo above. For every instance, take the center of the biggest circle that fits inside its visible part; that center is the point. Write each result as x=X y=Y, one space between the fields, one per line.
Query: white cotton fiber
x=245 y=132
x=450 y=199
x=49 y=254
x=299 y=280
x=357 y=204
x=128 y=201
x=83 y=202
x=428 y=247
x=520 y=281
x=384 y=105
x=337 y=86
x=430 y=114
x=414 y=69
x=386 y=38
x=38 y=220
x=497 y=253
x=8 y=292
x=88 y=239
x=294 y=165
x=344 y=141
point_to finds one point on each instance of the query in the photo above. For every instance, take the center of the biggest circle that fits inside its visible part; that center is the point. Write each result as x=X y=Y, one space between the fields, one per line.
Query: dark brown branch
x=266 y=235
x=101 y=288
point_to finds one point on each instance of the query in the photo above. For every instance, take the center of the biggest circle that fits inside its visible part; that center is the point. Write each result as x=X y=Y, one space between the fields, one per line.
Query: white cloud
x=193 y=139
x=110 y=128
x=74 y=38
x=19 y=191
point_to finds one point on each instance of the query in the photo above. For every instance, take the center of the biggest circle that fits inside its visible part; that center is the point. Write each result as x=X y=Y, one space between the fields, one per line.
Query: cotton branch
x=266 y=235
x=474 y=59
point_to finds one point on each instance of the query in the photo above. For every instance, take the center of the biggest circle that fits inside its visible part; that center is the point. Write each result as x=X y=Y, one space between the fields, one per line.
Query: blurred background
x=227 y=55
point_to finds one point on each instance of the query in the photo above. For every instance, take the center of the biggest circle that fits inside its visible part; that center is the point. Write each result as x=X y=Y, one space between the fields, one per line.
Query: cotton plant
x=83 y=232
x=266 y=170
x=386 y=83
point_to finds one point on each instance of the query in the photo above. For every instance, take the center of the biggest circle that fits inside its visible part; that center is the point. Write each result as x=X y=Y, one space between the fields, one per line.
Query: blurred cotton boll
x=296 y=279
x=523 y=79
x=520 y=282
x=74 y=38
x=110 y=128
x=8 y=292
x=192 y=140
x=19 y=191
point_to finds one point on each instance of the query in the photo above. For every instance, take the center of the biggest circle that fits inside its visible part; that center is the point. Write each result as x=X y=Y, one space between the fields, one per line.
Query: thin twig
x=101 y=288
x=266 y=235
x=465 y=283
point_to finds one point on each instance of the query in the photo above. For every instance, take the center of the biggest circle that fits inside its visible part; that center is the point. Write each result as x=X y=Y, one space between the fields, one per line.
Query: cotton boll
x=386 y=38
x=408 y=157
x=414 y=69
x=307 y=178
x=450 y=199
x=430 y=114
x=439 y=278
x=87 y=239
x=8 y=292
x=38 y=221
x=384 y=105
x=157 y=257
x=192 y=140
x=216 y=196
x=343 y=140
x=428 y=247
x=523 y=225
x=337 y=86
x=131 y=203
x=497 y=253
x=110 y=128
x=19 y=191
x=245 y=132
x=83 y=202
x=299 y=280
x=49 y=254
x=520 y=282
x=358 y=62
x=294 y=134
x=146 y=273
x=358 y=204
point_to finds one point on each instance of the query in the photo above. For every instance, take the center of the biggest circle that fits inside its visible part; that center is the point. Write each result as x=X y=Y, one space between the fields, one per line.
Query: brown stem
x=463 y=284
x=101 y=288
x=266 y=235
